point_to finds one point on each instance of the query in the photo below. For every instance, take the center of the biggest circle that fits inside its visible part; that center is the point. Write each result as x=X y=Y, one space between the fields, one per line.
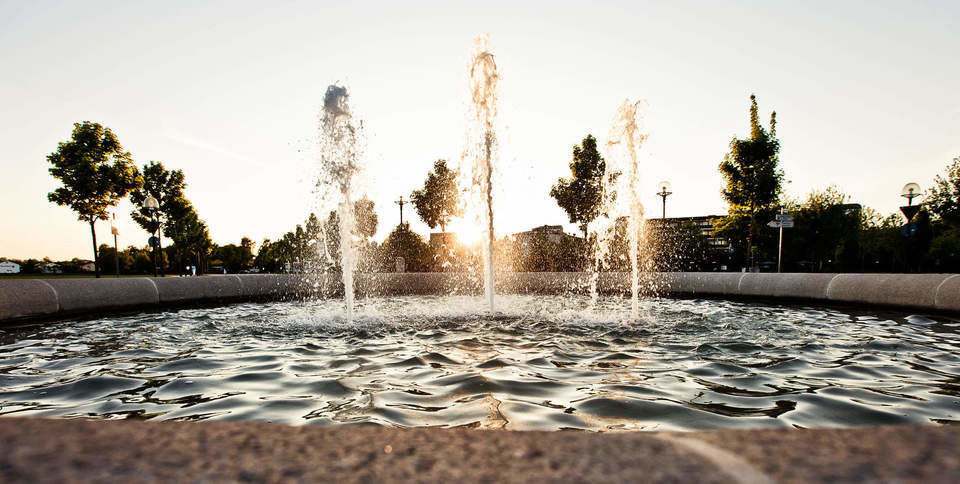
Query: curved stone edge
x=26 y=299
x=900 y=290
x=85 y=295
x=188 y=289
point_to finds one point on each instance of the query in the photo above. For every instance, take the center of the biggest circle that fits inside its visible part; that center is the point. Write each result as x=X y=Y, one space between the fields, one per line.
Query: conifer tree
x=753 y=177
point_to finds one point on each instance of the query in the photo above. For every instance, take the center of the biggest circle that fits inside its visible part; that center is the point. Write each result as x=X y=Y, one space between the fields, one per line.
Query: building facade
x=705 y=223
x=9 y=267
x=553 y=233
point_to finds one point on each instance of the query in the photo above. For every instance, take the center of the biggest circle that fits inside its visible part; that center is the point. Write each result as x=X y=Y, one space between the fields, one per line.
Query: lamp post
x=664 y=191
x=910 y=191
x=151 y=206
x=401 y=202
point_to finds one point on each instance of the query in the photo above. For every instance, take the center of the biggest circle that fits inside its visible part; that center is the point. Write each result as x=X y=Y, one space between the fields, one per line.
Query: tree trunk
x=93 y=233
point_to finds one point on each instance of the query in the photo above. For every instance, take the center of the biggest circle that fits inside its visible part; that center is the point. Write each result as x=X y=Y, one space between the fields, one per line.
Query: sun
x=468 y=234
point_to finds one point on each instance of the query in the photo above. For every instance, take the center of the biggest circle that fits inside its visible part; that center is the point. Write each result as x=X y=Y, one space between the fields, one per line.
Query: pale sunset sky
x=866 y=94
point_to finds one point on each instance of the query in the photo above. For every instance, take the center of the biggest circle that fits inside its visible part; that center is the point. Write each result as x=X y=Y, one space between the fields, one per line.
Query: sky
x=866 y=95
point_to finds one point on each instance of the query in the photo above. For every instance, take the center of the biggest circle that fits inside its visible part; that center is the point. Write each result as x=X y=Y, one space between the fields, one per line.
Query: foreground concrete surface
x=39 y=450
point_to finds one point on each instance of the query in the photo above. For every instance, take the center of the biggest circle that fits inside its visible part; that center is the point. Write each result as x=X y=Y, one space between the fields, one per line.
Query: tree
x=191 y=237
x=365 y=226
x=581 y=195
x=96 y=174
x=752 y=175
x=167 y=188
x=365 y=218
x=827 y=231
x=403 y=242
x=438 y=201
x=945 y=250
x=944 y=197
x=235 y=258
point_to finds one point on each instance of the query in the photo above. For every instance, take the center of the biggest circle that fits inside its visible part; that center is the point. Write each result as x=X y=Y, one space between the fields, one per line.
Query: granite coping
x=26 y=299
x=75 y=450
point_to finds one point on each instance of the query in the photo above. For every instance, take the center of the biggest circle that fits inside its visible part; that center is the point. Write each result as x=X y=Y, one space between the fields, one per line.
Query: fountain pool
x=541 y=363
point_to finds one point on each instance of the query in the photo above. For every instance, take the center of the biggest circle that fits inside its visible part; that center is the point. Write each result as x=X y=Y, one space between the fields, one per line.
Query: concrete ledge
x=82 y=295
x=948 y=294
x=799 y=286
x=26 y=298
x=71 y=450
x=212 y=288
x=903 y=290
x=711 y=283
x=412 y=283
x=539 y=282
x=272 y=286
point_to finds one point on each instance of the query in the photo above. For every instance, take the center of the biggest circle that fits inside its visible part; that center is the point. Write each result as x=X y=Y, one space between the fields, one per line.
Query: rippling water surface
x=545 y=363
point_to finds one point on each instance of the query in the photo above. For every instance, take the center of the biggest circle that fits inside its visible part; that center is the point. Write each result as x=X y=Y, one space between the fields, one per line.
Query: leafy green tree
x=438 y=201
x=753 y=179
x=191 y=238
x=945 y=250
x=365 y=218
x=167 y=188
x=403 y=242
x=107 y=259
x=943 y=199
x=234 y=258
x=826 y=231
x=365 y=226
x=581 y=195
x=267 y=259
x=96 y=174
x=140 y=260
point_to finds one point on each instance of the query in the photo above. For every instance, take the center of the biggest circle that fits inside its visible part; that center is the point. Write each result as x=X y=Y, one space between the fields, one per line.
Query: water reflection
x=544 y=363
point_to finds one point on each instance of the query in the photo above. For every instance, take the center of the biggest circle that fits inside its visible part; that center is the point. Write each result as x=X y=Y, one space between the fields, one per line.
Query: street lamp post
x=910 y=191
x=664 y=191
x=401 y=202
x=151 y=206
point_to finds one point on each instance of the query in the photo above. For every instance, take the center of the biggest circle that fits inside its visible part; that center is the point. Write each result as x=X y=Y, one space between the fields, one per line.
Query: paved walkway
x=40 y=450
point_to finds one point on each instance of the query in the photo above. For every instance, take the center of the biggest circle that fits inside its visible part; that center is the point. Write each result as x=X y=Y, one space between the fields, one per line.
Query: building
x=88 y=267
x=706 y=224
x=9 y=267
x=51 y=268
x=554 y=233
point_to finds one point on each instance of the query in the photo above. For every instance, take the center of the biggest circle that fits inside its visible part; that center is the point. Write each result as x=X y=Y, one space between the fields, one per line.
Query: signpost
x=782 y=221
x=909 y=211
x=116 y=253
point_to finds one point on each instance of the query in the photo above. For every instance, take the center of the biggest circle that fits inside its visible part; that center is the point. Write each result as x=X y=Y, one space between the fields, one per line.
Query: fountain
x=480 y=153
x=623 y=177
x=340 y=153
x=419 y=354
x=421 y=357
x=621 y=209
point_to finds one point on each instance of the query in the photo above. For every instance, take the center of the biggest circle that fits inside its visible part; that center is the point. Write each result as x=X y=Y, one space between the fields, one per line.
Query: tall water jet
x=480 y=153
x=622 y=187
x=340 y=154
